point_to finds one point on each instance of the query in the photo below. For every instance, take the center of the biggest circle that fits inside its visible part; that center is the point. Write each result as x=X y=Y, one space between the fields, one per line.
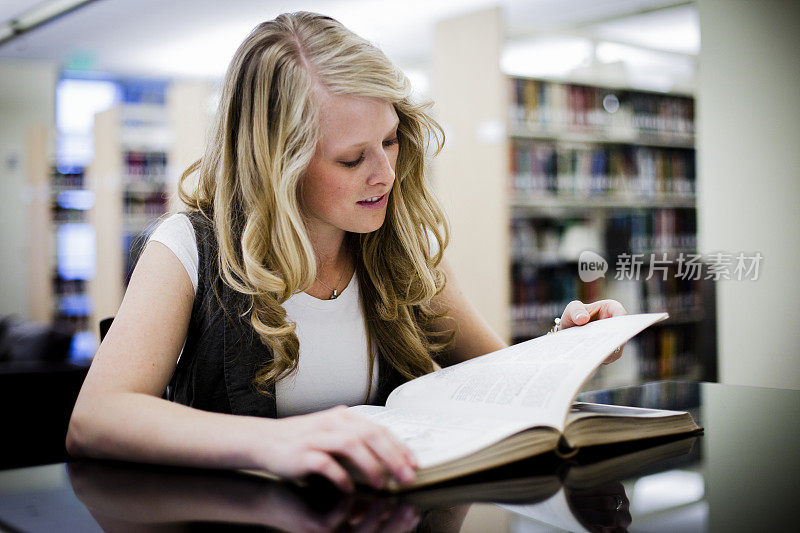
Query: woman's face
x=347 y=184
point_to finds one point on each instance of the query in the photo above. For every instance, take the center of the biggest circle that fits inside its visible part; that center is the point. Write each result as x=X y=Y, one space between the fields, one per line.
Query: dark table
x=742 y=474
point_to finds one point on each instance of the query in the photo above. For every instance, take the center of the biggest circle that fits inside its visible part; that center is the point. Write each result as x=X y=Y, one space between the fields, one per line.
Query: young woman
x=306 y=274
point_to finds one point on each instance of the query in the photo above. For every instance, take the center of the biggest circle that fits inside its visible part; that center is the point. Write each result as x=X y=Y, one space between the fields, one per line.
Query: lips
x=371 y=200
x=374 y=201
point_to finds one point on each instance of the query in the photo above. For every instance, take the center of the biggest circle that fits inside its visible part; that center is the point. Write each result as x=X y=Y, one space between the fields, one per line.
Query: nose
x=382 y=171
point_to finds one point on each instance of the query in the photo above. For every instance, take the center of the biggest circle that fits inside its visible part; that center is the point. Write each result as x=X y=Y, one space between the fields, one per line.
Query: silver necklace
x=334 y=290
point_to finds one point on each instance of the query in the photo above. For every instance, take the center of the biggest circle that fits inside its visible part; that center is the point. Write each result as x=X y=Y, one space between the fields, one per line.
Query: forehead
x=345 y=120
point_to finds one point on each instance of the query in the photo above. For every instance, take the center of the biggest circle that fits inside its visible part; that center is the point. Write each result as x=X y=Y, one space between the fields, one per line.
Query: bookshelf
x=74 y=248
x=612 y=171
x=128 y=177
x=61 y=256
x=574 y=167
x=88 y=223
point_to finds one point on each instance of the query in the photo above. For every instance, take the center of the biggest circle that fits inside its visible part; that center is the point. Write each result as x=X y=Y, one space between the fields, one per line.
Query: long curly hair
x=248 y=180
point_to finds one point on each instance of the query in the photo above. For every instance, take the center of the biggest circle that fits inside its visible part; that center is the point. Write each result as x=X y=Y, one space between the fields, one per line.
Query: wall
x=470 y=95
x=27 y=97
x=749 y=181
x=191 y=106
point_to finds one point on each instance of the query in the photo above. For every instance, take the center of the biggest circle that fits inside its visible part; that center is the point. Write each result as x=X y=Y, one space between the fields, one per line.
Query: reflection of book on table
x=517 y=403
x=514 y=490
x=599 y=475
x=529 y=483
x=585 y=475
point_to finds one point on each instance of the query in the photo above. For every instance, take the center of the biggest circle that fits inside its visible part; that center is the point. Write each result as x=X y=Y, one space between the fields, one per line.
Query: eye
x=354 y=163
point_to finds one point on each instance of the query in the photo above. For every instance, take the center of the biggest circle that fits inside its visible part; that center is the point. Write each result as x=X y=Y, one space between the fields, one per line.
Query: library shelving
x=611 y=171
x=89 y=222
x=74 y=251
x=62 y=259
x=128 y=176
x=536 y=172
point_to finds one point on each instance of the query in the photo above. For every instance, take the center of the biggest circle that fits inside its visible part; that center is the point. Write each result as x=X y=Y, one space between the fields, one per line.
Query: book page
x=580 y=410
x=534 y=381
x=436 y=438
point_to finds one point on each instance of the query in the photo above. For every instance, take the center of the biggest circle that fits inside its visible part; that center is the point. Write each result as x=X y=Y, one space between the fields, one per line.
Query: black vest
x=223 y=352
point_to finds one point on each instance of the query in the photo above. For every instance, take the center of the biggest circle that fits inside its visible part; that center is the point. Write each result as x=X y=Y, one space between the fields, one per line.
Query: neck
x=330 y=252
x=334 y=264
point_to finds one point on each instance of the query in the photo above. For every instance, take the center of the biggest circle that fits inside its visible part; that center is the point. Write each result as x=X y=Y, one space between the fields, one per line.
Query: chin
x=369 y=227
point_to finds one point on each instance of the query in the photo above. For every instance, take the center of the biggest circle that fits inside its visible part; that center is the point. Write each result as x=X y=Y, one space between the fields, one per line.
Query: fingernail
x=407 y=475
x=581 y=316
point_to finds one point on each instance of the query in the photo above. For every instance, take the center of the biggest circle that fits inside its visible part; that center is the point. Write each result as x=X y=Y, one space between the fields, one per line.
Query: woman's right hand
x=337 y=444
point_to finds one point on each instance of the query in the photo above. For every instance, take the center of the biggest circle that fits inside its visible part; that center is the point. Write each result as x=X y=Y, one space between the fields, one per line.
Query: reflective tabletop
x=741 y=474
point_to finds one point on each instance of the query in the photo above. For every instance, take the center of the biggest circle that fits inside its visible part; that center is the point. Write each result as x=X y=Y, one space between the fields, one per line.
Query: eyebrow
x=358 y=145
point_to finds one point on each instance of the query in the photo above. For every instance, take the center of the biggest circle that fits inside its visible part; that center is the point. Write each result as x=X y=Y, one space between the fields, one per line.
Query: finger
x=605 y=309
x=355 y=452
x=391 y=442
x=333 y=519
x=598 y=520
x=623 y=519
x=598 y=502
x=403 y=518
x=370 y=521
x=616 y=354
x=389 y=439
x=310 y=522
x=358 y=510
x=315 y=462
x=575 y=314
x=395 y=455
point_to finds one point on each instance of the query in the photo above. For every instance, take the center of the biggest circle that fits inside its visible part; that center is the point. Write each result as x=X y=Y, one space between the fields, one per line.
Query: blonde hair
x=248 y=184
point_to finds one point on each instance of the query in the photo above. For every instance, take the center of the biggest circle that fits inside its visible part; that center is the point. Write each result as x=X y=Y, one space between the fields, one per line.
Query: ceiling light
x=36 y=16
x=546 y=57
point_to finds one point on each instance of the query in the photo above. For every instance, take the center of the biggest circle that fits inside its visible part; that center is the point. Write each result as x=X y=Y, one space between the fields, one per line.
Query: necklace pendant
x=334 y=295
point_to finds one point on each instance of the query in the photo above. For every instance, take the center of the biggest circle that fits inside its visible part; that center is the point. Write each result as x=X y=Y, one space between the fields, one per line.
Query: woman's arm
x=119 y=413
x=473 y=335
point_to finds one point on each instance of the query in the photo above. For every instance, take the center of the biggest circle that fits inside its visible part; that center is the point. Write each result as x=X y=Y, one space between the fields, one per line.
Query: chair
x=104 y=325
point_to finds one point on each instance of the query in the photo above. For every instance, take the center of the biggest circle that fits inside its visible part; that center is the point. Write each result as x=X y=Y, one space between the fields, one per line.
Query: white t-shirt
x=333 y=364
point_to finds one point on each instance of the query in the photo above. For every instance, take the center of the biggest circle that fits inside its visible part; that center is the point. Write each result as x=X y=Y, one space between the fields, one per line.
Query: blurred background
x=660 y=136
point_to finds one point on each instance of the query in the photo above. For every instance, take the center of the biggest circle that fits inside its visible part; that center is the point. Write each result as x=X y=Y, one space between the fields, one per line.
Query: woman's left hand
x=578 y=313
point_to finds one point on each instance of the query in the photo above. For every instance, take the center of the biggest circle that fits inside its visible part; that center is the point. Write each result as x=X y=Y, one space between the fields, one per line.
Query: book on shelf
x=517 y=403
x=620 y=113
x=592 y=170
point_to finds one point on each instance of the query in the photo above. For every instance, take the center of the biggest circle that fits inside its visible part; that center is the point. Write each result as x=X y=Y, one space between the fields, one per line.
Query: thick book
x=517 y=403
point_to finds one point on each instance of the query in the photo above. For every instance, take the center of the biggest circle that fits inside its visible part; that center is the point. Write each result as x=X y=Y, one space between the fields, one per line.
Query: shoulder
x=177 y=224
x=176 y=231
x=178 y=234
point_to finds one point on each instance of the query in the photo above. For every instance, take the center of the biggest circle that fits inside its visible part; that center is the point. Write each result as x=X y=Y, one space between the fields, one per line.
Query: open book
x=517 y=403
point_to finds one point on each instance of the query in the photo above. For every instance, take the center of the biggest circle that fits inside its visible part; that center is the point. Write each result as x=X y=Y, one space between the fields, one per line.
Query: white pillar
x=748 y=104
